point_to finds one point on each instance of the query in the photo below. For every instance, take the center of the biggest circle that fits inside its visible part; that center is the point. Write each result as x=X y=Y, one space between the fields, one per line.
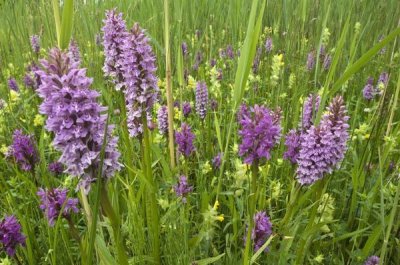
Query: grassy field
x=250 y=71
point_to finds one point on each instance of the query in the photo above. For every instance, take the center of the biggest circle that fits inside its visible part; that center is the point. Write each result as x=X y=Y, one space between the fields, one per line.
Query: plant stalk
x=251 y=207
x=115 y=224
x=168 y=88
x=151 y=199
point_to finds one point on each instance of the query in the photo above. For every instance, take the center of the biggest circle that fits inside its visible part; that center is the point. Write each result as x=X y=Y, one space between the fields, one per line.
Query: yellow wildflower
x=38 y=120
x=4 y=149
x=357 y=27
x=191 y=82
x=220 y=218
x=177 y=113
x=206 y=168
x=14 y=96
x=325 y=36
x=163 y=203
x=216 y=205
x=277 y=64
x=319 y=259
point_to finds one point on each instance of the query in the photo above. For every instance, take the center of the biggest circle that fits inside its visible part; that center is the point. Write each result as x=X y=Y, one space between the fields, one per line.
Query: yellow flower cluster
x=277 y=64
x=191 y=82
x=214 y=213
x=4 y=149
x=326 y=210
x=206 y=168
x=38 y=120
x=357 y=28
x=215 y=84
x=325 y=36
x=362 y=132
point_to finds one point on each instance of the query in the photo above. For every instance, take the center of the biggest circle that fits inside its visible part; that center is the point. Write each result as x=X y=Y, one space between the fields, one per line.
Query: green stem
x=168 y=88
x=251 y=207
x=115 y=224
x=17 y=260
x=152 y=208
x=86 y=206
x=294 y=195
x=72 y=229
x=390 y=224
x=309 y=231
x=127 y=147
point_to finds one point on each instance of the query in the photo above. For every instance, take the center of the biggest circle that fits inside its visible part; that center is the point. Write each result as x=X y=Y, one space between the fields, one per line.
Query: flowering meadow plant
x=199 y=132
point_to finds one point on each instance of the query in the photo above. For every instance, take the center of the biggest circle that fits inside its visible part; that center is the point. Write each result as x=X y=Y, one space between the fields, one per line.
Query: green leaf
x=363 y=60
x=209 y=260
x=56 y=12
x=373 y=239
x=66 y=23
x=247 y=53
x=218 y=130
x=104 y=253
x=260 y=250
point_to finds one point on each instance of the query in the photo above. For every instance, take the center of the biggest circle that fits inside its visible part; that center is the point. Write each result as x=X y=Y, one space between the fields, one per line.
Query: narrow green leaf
x=363 y=60
x=66 y=23
x=209 y=260
x=373 y=239
x=218 y=130
x=104 y=254
x=261 y=250
x=332 y=69
x=351 y=234
x=57 y=20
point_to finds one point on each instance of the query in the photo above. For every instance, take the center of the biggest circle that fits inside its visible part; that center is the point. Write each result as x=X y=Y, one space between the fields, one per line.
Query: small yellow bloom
x=389 y=140
x=235 y=148
x=191 y=82
x=325 y=36
x=158 y=138
x=277 y=64
x=267 y=30
x=276 y=188
x=161 y=83
x=38 y=121
x=14 y=96
x=319 y=258
x=220 y=218
x=357 y=27
x=206 y=168
x=163 y=203
x=216 y=205
x=301 y=100
x=4 y=149
x=178 y=113
x=292 y=80
x=68 y=182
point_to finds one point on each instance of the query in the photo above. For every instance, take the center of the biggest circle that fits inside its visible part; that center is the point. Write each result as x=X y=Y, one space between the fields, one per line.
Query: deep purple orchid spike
x=184 y=139
x=260 y=132
x=10 y=235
